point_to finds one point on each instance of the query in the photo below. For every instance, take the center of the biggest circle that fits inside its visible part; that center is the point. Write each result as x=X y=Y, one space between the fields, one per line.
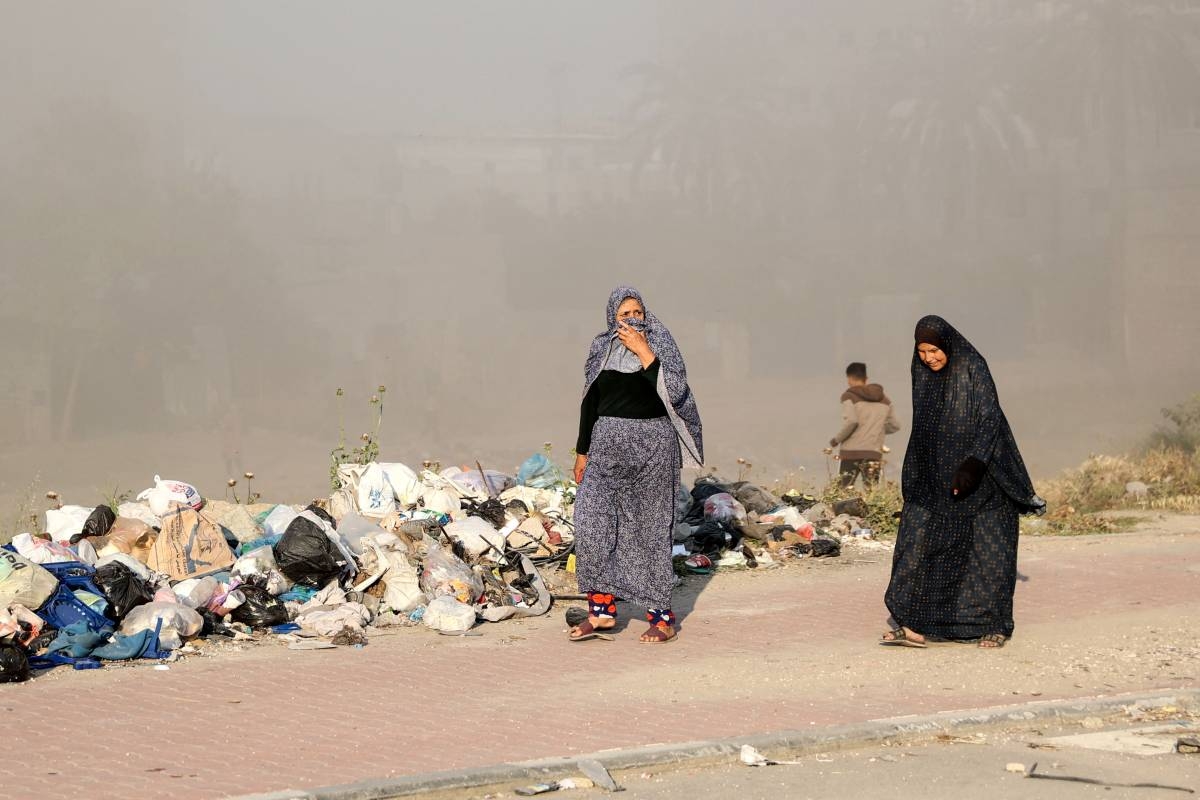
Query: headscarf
x=956 y=416
x=607 y=352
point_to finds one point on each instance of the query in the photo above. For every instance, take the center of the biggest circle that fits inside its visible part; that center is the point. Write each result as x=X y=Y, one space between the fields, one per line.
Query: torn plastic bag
x=539 y=472
x=178 y=623
x=129 y=536
x=491 y=510
x=449 y=615
x=445 y=574
x=123 y=589
x=824 y=545
x=490 y=484
x=98 y=523
x=164 y=494
x=310 y=552
x=14 y=664
x=258 y=566
x=528 y=582
x=385 y=559
x=477 y=535
x=278 y=520
x=353 y=527
x=19 y=624
x=722 y=507
x=261 y=609
x=197 y=592
x=63 y=523
x=405 y=483
x=42 y=551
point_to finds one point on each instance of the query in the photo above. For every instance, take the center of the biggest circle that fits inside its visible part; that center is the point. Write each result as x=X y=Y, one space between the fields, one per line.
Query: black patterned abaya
x=955 y=565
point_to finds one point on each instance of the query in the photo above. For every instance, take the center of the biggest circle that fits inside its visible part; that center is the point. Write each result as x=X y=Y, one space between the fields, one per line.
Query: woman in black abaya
x=954 y=569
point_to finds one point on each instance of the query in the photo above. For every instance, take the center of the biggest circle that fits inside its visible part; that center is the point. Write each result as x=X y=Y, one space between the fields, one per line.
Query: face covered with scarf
x=608 y=352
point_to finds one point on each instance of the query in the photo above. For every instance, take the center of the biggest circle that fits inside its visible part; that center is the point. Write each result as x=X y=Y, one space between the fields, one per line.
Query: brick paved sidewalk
x=758 y=652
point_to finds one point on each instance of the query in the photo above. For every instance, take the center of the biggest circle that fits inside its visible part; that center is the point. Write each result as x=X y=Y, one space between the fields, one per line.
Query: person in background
x=638 y=422
x=867 y=417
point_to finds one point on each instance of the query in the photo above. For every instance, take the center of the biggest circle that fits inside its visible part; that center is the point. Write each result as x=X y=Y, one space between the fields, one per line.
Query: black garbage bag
x=824 y=545
x=99 y=523
x=802 y=502
x=855 y=507
x=305 y=553
x=706 y=487
x=14 y=664
x=712 y=537
x=261 y=609
x=491 y=510
x=123 y=589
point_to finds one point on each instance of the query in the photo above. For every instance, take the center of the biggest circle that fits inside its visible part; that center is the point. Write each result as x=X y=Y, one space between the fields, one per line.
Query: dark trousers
x=851 y=469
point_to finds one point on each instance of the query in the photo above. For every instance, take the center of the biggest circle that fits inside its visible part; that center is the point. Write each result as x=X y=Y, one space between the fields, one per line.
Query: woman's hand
x=967 y=478
x=635 y=340
x=580 y=465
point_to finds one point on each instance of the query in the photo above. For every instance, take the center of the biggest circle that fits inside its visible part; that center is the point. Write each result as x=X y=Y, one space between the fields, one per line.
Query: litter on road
x=175 y=573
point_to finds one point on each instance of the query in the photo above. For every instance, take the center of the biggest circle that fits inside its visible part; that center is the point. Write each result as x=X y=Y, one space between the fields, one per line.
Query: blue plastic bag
x=539 y=472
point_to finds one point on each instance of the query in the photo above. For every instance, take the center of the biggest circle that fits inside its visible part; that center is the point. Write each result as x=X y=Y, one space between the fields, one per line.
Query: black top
x=632 y=395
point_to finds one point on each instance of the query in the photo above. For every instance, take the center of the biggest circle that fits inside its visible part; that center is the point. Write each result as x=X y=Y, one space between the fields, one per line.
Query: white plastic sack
x=385 y=560
x=23 y=582
x=449 y=615
x=40 y=551
x=178 y=622
x=63 y=523
x=86 y=552
x=785 y=515
x=164 y=493
x=405 y=484
x=260 y=564
x=196 y=592
x=476 y=534
x=278 y=520
x=442 y=501
x=354 y=528
x=374 y=493
x=141 y=512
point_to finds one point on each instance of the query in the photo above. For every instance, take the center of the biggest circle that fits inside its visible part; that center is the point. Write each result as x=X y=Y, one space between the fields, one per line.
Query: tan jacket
x=867 y=416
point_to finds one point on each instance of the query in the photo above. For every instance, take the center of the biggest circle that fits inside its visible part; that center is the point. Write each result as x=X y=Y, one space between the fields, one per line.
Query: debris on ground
x=177 y=574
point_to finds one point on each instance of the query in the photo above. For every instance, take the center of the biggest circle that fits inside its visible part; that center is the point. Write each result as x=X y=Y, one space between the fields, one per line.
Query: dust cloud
x=213 y=215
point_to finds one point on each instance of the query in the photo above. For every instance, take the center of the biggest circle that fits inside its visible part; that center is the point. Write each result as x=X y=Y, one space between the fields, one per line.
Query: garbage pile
x=740 y=524
x=445 y=549
x=391 y=547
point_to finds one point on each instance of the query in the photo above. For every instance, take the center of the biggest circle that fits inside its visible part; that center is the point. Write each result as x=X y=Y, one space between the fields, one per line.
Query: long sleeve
x=892 y=425
x=588 y=413
x=989 y=418
x=650 y=373
x=849 y=421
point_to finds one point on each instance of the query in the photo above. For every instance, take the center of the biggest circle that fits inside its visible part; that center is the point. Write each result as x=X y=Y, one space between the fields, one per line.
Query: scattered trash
x=1187 y=744
x=543 y=788
x=752 y=758
x=598 y=774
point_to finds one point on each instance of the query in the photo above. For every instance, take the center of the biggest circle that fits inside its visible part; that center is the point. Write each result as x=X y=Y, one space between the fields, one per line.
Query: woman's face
x=630 y=308
x=932 y=356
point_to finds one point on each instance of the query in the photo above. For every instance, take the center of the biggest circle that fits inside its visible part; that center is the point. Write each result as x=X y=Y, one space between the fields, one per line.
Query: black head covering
x=956 y=417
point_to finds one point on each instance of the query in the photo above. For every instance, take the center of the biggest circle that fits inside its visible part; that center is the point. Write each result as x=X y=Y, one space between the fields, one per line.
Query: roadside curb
x=839 y=737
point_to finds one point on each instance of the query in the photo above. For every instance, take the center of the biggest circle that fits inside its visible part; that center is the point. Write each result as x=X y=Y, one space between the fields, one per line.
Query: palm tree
x=1102 y=66
x=947 y=124
x=713 y=127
